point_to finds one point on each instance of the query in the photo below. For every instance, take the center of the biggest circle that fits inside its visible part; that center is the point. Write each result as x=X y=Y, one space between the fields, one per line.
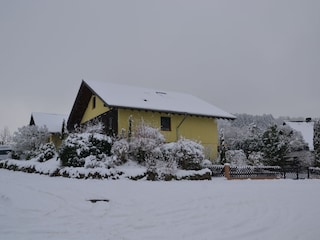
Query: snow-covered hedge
x=90 y=154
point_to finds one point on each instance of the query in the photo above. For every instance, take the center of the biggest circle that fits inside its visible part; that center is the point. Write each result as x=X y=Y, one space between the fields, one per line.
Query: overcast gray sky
x=243 y=56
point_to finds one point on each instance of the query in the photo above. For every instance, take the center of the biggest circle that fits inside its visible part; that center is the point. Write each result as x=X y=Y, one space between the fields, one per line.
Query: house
x=305 y=128
x=120 y=108
x=53 y=122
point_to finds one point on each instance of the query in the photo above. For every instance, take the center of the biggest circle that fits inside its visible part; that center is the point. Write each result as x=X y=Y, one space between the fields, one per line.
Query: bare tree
x=5 y=136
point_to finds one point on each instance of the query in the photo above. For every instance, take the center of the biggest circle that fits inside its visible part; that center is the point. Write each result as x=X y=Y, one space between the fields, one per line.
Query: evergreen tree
x=222 y=148
x=316 y=142
x=275 y=146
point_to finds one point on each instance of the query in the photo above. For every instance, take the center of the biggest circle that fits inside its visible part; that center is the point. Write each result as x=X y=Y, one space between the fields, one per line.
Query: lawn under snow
x=35 y=207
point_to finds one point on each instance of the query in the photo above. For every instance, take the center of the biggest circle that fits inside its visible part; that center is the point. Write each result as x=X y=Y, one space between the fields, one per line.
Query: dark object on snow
x=98 y=200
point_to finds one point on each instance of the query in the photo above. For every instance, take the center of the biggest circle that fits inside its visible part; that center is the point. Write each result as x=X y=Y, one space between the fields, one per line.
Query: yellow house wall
x=91 y=112
x=201 y=129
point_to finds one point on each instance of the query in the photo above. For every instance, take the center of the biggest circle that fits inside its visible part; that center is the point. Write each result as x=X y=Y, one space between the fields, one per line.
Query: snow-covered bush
x=27 y=141
x=120 y=150
x=144 y=141
x=153 y=158
x=94 y=126
x=236 y=157
x=46 y=152
x=207 y=164
x=77 y=146
x=255 y=159
x=188 y=154
x=73 y=150
x=101 y=161
x=162 y=165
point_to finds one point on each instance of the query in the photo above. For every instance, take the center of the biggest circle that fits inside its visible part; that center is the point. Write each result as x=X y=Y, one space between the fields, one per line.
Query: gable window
x=165 y=124
x=93 y=102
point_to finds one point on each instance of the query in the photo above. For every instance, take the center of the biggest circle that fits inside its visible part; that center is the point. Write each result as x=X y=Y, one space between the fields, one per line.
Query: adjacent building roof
x=52 y=121
x=306 y=130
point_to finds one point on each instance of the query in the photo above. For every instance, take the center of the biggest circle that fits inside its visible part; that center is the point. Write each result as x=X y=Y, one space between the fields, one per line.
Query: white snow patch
x=36 y=207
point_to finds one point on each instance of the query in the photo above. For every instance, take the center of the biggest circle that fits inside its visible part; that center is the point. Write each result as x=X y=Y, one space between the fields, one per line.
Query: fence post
x=227 y=171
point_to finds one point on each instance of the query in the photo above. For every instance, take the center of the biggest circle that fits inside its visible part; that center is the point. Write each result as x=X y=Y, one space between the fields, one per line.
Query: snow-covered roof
x=52 y=121
x=306 y=130
x=117 y=95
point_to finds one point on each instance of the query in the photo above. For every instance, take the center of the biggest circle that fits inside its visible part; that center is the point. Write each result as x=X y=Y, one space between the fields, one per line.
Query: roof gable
x=117 y=95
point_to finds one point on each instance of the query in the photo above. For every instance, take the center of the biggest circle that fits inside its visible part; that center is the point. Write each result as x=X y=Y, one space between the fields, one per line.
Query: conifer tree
x=275 y=146
x=316 y=142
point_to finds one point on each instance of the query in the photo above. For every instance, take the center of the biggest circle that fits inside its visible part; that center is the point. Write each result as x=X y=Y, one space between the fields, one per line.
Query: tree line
x=264 y=140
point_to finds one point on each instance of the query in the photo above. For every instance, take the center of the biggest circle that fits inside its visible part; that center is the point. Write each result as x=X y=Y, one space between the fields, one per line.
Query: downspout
x=179 y=125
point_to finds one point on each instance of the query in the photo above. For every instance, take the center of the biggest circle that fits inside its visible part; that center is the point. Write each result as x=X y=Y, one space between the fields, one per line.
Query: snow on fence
x=245 y=172
x=217 y=170
x=264 y=172
x=253 y=172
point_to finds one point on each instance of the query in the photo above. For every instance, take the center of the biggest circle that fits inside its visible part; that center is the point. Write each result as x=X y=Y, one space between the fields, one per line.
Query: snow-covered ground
x=35 y=207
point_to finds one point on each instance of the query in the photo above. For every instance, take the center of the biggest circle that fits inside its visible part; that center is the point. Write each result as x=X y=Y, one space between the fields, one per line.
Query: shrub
x=46 y=152
x=236 y=157
x=120 y=150
x=255 y=159
x=159 y=166
x=99 y=144
x=77 y=146
x=101 y=161
x=188 y=154
x=145 y=140
x=169 y=156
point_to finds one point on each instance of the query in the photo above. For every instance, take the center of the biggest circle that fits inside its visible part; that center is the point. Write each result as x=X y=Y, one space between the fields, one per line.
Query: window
x=165 y=124
x=93 y=102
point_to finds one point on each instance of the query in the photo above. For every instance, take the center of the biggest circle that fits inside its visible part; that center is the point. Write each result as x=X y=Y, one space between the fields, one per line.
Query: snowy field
x=40 y=207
